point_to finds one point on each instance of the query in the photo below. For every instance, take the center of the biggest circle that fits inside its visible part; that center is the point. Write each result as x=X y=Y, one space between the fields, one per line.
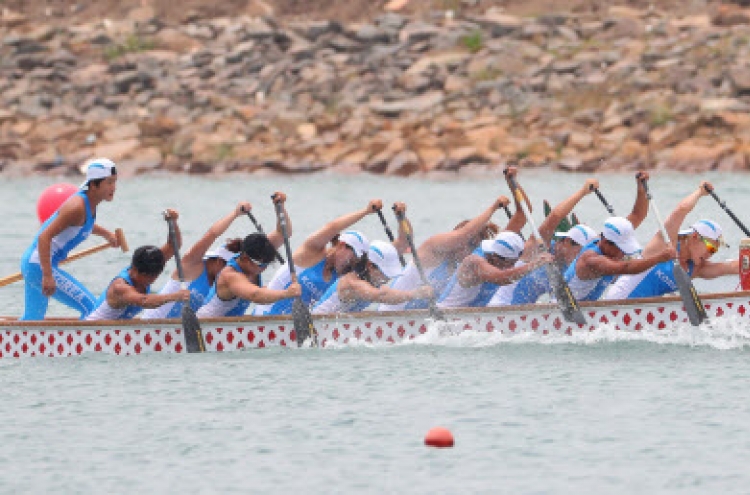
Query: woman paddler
x=366 y=283
x=70 y=225
x=201 y=265
x=695 y=247
x=238 y=284
x=130 y=291
x=318 y=265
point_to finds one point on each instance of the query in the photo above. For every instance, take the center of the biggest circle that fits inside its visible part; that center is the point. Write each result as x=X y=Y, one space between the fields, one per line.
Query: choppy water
x=604 y=412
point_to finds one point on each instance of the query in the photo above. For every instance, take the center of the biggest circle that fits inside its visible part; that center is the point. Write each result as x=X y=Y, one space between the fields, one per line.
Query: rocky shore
x=619 y=90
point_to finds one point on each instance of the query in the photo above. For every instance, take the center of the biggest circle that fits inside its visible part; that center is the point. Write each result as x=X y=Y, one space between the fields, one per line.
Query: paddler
x=68 y=227
x=238 y=284
x=695 y=247
x=611 y=255
x=130 y=291
x=366 y=284
x=319 y=265
x=565 y=247
x=201 y=265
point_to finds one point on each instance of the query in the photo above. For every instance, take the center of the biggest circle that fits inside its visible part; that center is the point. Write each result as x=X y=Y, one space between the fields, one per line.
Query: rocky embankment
x=618 y=90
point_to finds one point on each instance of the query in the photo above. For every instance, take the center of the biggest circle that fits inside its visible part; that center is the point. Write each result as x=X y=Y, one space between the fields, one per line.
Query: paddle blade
x=303 y=323
x=191 y=327
x=693 y=304
x=565 y=300
x=435 y=312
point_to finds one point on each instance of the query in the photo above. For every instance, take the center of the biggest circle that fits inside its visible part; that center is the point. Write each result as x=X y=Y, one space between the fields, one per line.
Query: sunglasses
x=710 y=244
x=261 y=265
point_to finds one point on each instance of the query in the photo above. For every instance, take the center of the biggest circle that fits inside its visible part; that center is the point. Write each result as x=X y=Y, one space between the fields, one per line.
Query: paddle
x=507 y=213
x=260 y=230
x=574 y=220
x=565 y=300
x=303 y=322
x=75 y=256
x=729 y=212
x=390 y=235
x=693 y=305
x=191 y=327
x=603 y=200
x=435 y=312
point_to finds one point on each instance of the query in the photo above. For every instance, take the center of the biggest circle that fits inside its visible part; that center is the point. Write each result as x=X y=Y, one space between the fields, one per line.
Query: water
x=605 y=412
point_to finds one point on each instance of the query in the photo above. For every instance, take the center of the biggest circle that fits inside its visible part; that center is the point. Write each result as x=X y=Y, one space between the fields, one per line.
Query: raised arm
x=400 y=242
x=317 y=242
x=437 y=245
x=640 y=207
x=167 y=248
x=518 y=220
x=192 y=261
x=277 y=237
x=562 y=210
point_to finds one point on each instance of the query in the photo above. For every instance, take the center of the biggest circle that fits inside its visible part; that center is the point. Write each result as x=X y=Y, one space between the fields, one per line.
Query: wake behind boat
x=60 y=338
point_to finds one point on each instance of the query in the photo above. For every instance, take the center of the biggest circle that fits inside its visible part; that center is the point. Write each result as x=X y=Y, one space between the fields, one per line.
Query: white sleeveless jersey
x=329 y=305
x=504 y=294
x=162 y=311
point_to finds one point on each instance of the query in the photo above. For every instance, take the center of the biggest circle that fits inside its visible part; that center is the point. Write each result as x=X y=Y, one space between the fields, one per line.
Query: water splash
x=728 y=333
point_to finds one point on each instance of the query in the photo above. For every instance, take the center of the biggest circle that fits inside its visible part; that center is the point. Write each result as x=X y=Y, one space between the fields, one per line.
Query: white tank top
x=504 y=294
x=162 y=311
x=332 y=304
x=218 y=307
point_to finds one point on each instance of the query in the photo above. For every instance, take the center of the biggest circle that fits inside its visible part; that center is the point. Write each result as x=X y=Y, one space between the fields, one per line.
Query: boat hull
x=57 y=338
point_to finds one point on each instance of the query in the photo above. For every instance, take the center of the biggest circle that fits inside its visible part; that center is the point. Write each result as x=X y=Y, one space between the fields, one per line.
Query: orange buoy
x=439 y=437
x=52 y=198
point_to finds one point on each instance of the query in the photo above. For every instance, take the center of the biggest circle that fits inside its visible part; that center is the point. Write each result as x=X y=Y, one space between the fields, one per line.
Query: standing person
x=565 y=248
x=201 y=265
x=130 y=291
x=68 y=227
x=318 y=265
x=600 y=262
x=238 y=284
x=695 y=247
x=492 y=264
x=356 y=290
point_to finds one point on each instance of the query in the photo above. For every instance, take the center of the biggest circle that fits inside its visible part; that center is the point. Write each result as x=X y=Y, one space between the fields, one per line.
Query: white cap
x=97 y=168
x=706 y=228
x=355 y=240
x=620 y=231
x=507 y=244
x=580 y=234
x=385 y=257
x=220 y=252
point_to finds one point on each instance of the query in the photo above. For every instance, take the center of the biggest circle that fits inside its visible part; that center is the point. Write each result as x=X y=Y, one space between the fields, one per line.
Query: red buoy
x=439 y=437
x=52 y=198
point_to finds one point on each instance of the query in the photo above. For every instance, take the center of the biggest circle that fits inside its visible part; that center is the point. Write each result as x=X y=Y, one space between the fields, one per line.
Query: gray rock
x=417 y=104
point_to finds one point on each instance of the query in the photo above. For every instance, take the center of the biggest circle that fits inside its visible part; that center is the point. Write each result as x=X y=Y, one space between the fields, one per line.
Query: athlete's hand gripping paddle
x=303 y=322
x=191 y=327
x=693 y=304
x=565 y=300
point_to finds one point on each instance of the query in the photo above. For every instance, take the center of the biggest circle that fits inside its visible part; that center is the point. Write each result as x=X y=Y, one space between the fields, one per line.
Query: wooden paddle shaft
x=75 y=256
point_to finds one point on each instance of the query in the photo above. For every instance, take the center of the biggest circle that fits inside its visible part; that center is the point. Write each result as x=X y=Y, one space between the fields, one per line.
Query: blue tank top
x=659 y=280
x=486 y=291
x=598 y=285
x=68 y=239
x=313 y=286
x=199 y=290
x=130 y=311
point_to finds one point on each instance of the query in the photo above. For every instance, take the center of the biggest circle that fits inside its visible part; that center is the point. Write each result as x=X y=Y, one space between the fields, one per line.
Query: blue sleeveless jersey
x=130 y=311
x=598 y=286
x=659 y=280
x=68 y=239
x=313 y=288
x=199 y=290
